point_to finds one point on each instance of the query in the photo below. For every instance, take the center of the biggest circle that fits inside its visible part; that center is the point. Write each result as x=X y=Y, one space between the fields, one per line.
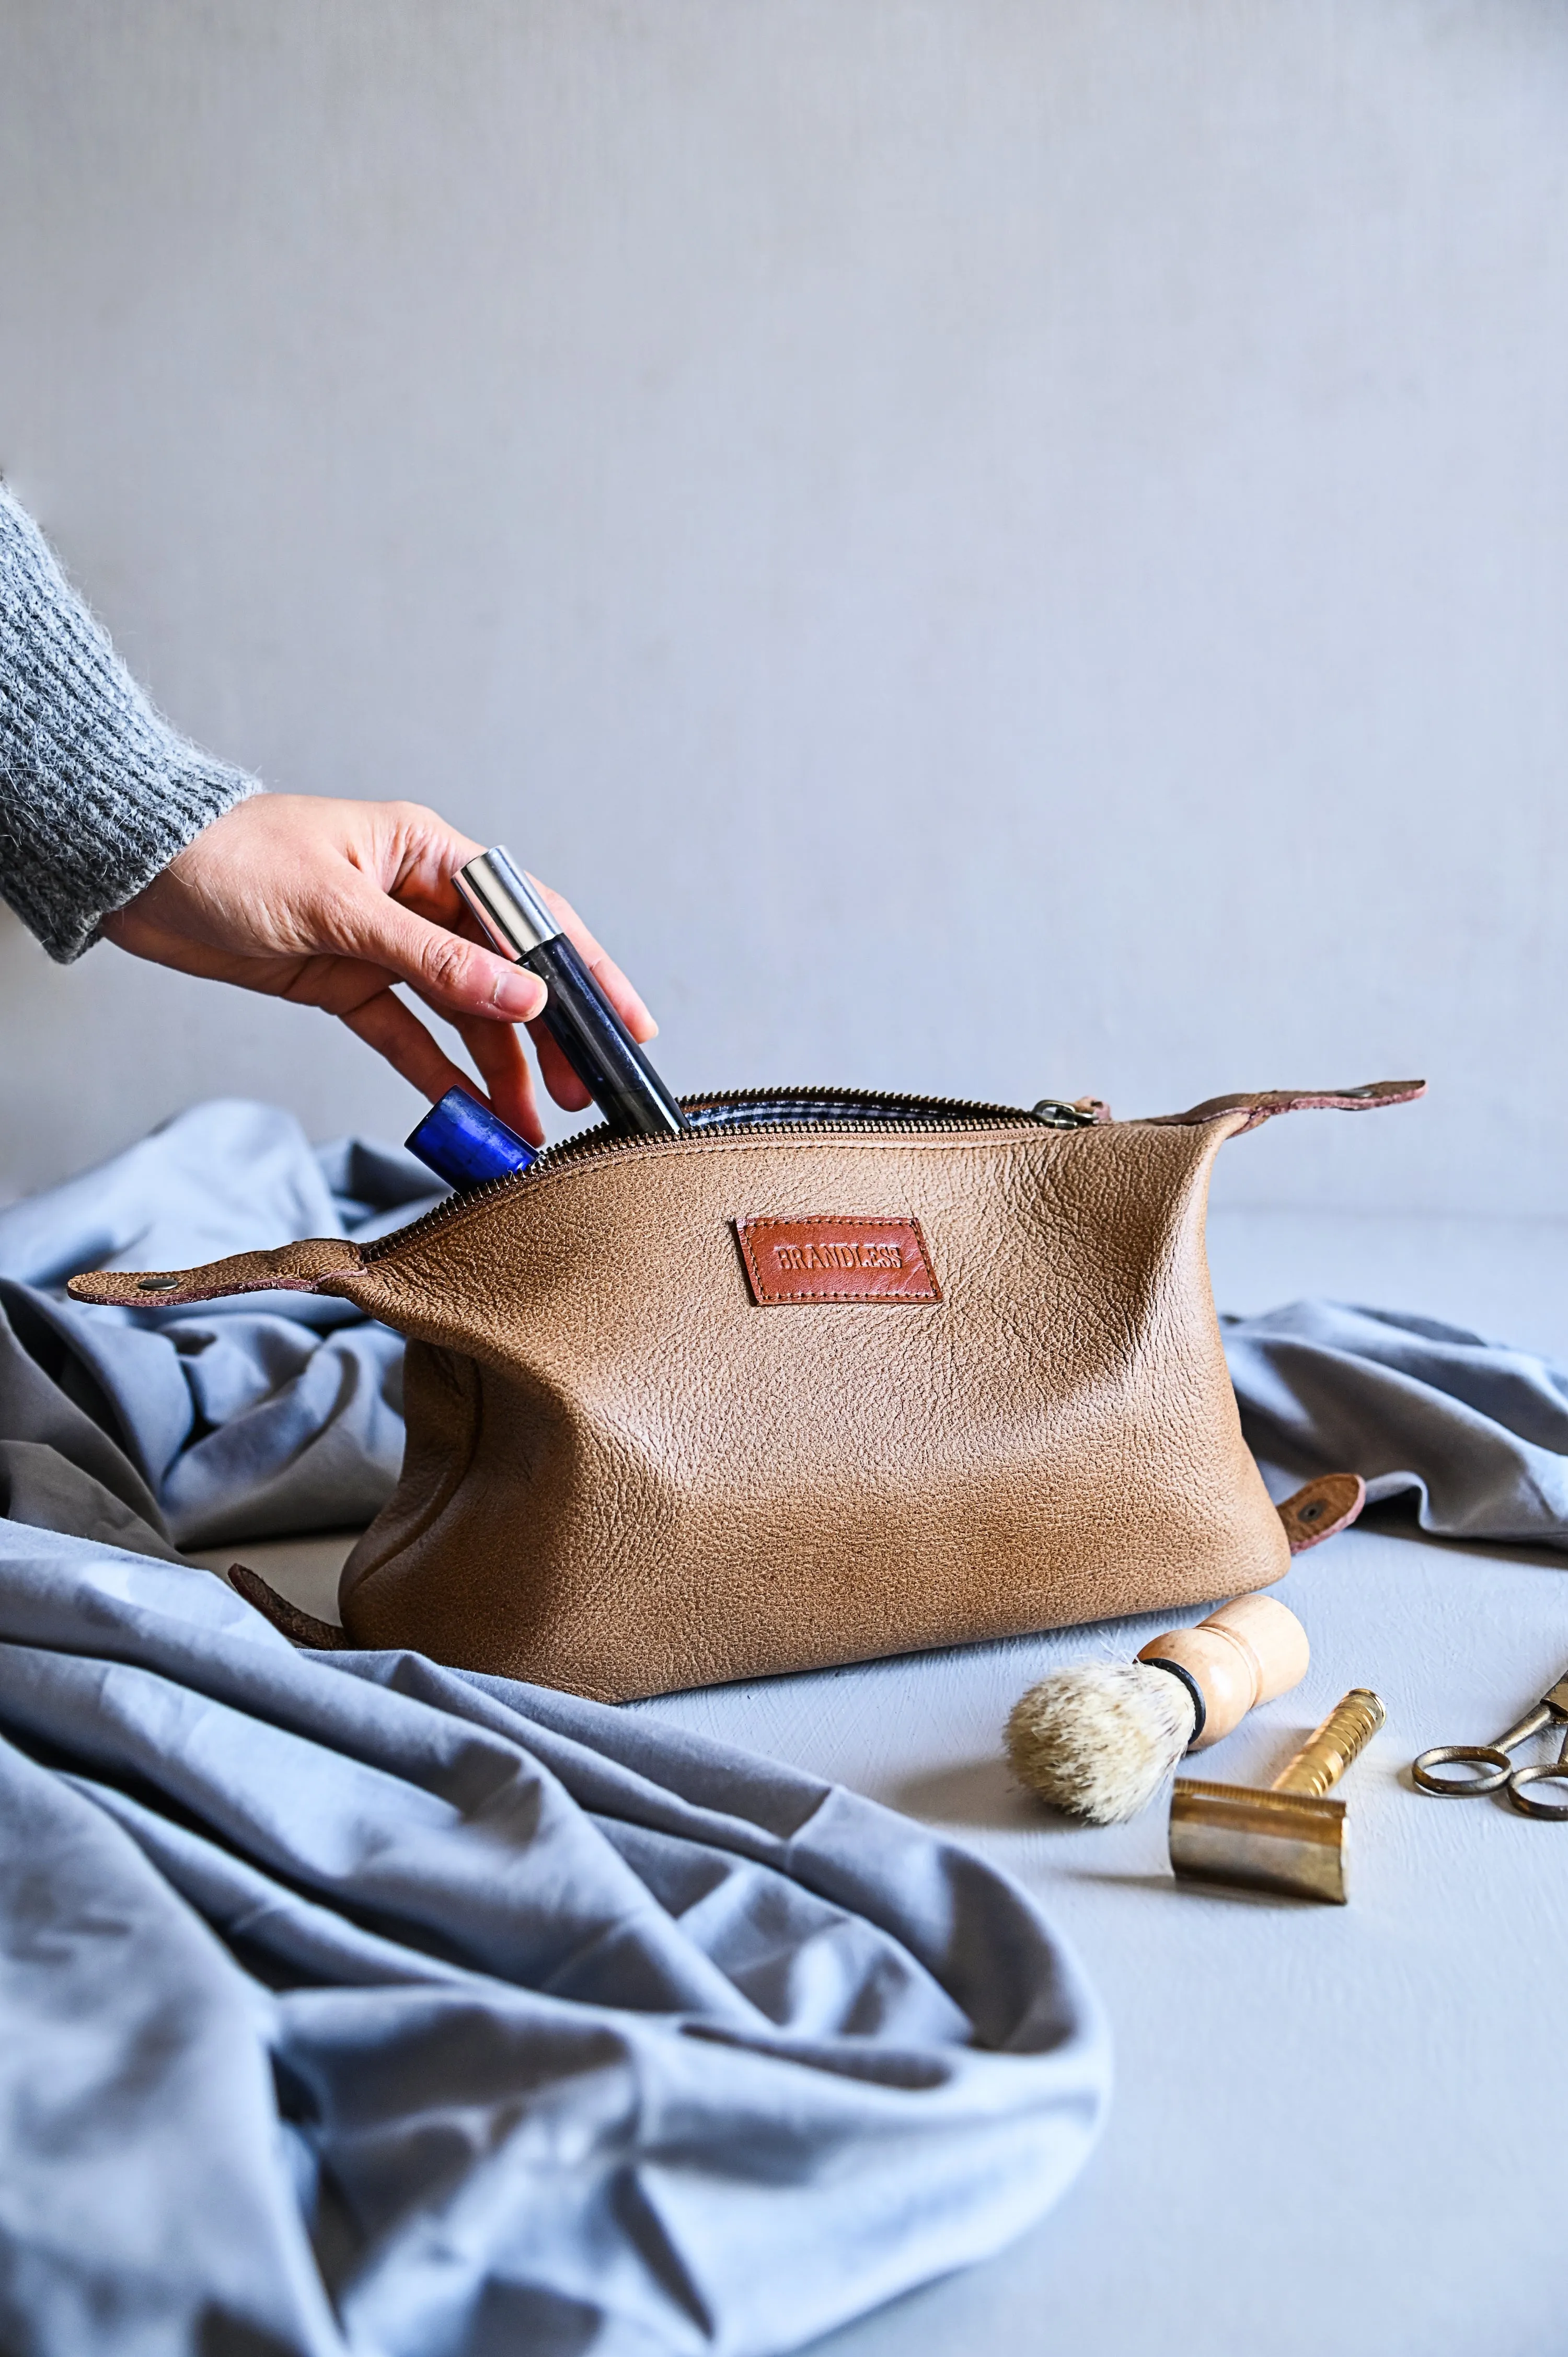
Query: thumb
x=452 y=974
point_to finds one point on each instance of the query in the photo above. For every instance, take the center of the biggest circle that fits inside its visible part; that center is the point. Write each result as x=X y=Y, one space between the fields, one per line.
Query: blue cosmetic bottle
x=465 y=1142
x=578 y=1017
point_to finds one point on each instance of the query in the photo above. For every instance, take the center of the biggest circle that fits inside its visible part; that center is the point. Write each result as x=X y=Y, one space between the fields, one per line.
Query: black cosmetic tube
x=577 y=1015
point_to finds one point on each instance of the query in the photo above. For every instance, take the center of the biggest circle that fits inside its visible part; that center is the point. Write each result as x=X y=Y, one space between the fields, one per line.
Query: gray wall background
x=994 y=546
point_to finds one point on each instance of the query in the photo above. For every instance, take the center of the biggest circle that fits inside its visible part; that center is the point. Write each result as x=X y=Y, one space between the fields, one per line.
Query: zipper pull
x=1085 y=1113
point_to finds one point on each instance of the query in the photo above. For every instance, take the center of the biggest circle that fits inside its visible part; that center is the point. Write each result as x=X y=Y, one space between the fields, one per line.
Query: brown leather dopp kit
x=789 y=1392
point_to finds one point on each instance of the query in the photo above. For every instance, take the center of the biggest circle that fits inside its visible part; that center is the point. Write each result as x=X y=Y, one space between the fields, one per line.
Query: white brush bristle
x=1099 y=1739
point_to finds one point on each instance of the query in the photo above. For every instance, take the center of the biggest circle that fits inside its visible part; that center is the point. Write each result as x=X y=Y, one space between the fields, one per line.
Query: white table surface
x=1333 y=2127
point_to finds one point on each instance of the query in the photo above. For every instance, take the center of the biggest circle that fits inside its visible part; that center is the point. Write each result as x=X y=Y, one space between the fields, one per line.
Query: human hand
x=331 y=904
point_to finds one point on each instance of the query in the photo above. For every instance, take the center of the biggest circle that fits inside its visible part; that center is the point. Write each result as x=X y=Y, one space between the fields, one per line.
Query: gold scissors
x=1493 y=1767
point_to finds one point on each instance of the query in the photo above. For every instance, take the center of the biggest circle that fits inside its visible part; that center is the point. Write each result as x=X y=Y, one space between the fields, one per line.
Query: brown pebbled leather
x=1322 y=1507
x=623 y=1477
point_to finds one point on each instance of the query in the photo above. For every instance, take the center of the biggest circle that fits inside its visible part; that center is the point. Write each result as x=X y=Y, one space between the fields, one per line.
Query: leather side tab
x=1261 y=1104
x=299 y=1627
x=1315 y=1512
x=292 y=1268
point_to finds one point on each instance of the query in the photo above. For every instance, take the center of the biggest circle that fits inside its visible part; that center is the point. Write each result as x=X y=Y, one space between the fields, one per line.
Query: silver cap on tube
x=505 y=902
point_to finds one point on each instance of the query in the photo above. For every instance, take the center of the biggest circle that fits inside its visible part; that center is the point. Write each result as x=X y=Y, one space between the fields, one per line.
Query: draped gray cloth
x=1476 y=1433
x=354 y=2005
x=245 y=1419
x=357 y=2007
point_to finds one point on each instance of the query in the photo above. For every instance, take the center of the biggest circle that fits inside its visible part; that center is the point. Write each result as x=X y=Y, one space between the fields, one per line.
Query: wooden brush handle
x=1245 y=1653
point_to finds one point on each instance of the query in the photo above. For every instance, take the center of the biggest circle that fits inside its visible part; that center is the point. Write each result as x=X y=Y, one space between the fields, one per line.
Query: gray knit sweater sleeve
x=97 y=794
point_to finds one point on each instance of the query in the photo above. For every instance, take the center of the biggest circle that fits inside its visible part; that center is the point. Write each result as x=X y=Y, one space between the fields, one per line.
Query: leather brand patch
x=836 y=1260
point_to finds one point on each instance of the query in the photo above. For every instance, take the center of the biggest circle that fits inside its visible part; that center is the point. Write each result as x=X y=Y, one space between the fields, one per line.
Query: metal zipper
x=855 y=1114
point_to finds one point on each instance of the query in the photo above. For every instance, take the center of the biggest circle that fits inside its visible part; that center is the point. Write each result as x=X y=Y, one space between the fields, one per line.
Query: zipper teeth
x=871 y=1098
x=601 y=1144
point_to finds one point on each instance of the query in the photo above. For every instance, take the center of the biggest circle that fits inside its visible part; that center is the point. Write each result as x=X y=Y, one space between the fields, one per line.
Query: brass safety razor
x=1287 y=1837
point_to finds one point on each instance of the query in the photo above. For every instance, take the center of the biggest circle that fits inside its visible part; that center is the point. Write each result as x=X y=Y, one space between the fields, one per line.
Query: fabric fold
x=488 y=2017
x=261 y=1417
x=1474 y=1431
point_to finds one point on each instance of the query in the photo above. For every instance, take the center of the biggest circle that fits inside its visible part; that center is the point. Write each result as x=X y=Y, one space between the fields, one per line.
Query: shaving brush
x=1099 y=1739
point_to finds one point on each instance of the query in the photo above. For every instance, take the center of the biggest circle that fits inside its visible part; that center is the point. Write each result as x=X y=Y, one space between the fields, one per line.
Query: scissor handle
x=1553 y=1771
x=1497 y=1765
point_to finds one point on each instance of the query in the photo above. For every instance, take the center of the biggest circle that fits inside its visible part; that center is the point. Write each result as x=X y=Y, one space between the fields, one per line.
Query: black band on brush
x=1189 y=1682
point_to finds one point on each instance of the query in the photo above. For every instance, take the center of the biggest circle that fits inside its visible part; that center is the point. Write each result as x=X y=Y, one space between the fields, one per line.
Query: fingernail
x=519 y=996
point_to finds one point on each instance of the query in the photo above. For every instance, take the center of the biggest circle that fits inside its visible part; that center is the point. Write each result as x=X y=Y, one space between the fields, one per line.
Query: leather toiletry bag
x=834 y=1376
